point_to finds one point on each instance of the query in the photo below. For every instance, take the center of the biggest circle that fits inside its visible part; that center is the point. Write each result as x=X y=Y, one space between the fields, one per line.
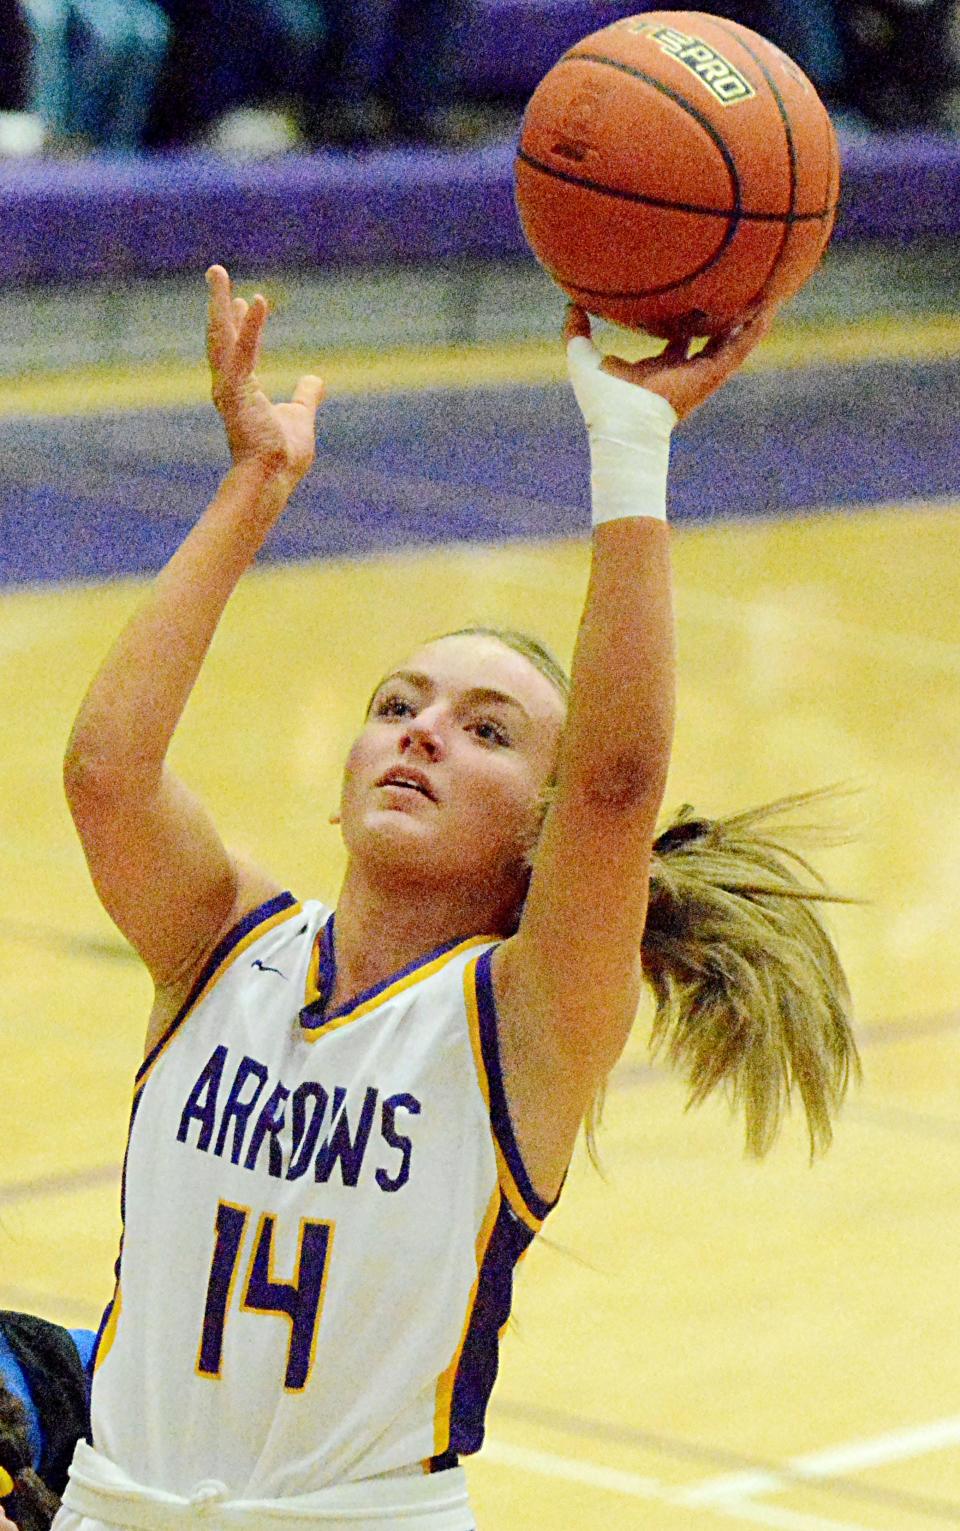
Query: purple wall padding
x=900 y=187
x=97 y=219
x=508 y=45
x=103 y=219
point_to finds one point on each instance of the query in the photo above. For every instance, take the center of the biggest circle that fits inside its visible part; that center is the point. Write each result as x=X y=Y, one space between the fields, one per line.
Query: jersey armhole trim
x=515 y=1182
x=244 y=933
x=107 y=1333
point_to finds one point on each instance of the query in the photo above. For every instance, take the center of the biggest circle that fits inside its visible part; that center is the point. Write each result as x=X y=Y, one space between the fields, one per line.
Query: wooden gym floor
x=699 y=1341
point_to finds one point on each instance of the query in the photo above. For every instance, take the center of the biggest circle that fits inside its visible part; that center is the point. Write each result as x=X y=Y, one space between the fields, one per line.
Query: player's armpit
x=162 y=871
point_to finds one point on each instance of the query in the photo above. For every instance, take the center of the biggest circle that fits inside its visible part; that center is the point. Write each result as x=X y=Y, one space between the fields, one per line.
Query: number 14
x=299 y=1300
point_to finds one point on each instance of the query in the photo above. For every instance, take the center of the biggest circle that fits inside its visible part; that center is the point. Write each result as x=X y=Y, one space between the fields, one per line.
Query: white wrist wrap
x=629 y=429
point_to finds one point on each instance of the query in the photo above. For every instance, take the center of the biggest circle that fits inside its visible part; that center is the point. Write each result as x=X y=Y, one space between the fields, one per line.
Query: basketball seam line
x=791 y=148
x=735 y=214
x=678 y=99
x=719 y=143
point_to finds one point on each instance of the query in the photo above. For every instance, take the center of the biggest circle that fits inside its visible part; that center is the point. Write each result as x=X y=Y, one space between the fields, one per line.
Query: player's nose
x=423 y=735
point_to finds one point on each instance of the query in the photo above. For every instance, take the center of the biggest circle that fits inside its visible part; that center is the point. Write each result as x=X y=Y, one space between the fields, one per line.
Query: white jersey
x=322 y=1214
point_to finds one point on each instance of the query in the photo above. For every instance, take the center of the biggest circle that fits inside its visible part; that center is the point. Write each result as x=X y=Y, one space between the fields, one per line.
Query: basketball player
x=347 y=1129
x=43 y=1413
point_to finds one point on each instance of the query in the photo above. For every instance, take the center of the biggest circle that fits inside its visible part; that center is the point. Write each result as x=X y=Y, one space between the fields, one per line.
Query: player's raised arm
x=567 y=984
x=157 y=861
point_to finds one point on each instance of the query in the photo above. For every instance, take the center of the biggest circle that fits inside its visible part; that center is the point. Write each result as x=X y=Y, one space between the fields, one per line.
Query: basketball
x=672 y=169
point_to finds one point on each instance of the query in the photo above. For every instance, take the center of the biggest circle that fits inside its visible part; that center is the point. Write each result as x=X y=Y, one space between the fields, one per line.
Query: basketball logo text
x=711 y=68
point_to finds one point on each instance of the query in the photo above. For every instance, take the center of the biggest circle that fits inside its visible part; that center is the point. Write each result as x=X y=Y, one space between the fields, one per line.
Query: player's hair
x=32 y=1505
x=751 y=997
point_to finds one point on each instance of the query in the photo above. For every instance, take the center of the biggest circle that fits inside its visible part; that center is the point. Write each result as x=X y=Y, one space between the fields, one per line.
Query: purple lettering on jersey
x=231 y=1222
x=300 y=1300
x=388 y=1131
x=306 y=1112
x=270 y=1124
x=340 y=1145
x=306 y=1129
x=238 y=1110
x=202 y=1101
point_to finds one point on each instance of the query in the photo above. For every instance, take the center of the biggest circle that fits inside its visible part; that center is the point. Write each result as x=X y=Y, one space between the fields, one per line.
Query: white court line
x=896 y=1446
x=548 y=1464
x=832 y=1462
x=574 y=1470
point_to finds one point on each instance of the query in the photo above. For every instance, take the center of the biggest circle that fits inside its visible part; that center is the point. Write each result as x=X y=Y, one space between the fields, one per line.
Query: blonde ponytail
x=751 y=997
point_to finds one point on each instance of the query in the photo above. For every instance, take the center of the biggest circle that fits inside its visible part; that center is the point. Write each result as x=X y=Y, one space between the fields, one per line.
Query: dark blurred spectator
x=93 y=69
x=21 y=131
x=14 y=58
x=890 y=64
x=808 y=30
x=238 y=73
x=391 y=72
x=902 y=63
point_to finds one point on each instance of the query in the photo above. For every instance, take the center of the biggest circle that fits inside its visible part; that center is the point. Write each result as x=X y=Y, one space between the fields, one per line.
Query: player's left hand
x=684 y=380
x=278 y=436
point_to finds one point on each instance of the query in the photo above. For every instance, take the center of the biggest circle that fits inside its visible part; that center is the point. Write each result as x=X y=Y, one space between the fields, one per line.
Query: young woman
x=347 y=1129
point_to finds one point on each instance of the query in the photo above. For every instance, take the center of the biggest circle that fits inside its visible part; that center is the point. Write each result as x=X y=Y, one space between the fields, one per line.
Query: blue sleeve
x=84 y=1339
x=12 y=1377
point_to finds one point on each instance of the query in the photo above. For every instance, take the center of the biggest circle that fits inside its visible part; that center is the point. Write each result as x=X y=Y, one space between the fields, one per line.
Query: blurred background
x=357 y=155
x=700 y=1339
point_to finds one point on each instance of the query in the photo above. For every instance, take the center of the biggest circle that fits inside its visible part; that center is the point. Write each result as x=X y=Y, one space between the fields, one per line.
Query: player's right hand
x=684 y=380
x=281 y=437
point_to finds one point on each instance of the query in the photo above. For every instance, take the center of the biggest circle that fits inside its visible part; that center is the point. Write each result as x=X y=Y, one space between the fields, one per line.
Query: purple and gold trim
x=463 y=1391
x=247 y=930
x=446 y=1386
x=513 y=1217
x=244 y=933
x=107 y=1332
x=315 y=1024
x=317 y=981
x=482 y=1019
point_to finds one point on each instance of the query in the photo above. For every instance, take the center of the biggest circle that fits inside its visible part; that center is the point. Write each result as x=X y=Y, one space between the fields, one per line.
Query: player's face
x=451 y=764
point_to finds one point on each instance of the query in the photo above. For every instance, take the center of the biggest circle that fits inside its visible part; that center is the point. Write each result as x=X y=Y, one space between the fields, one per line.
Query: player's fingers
x=725 y=353
x=249 y=336
x=583 y=357
x=309 y=392
x=629 y=371
x=239 y=311
x=218 y=317
x=676 y=351
x=746 y=333
x=576 y=323
x=218 y=280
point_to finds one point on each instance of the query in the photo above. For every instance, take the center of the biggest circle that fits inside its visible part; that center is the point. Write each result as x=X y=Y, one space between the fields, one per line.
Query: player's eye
x=491 y=732
x=393 y=706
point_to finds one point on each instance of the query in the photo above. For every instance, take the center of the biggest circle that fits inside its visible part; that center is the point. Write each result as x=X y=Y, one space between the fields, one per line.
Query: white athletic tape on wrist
x=629 y=429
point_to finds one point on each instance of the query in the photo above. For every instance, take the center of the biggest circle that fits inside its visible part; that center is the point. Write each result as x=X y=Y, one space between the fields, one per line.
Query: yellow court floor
x=699 y=1341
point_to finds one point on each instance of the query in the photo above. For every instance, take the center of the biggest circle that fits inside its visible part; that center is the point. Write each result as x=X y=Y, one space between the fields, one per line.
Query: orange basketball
x=673 y=168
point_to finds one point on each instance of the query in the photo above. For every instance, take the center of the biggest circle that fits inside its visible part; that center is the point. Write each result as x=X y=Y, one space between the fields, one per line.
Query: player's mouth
x=409 y=779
